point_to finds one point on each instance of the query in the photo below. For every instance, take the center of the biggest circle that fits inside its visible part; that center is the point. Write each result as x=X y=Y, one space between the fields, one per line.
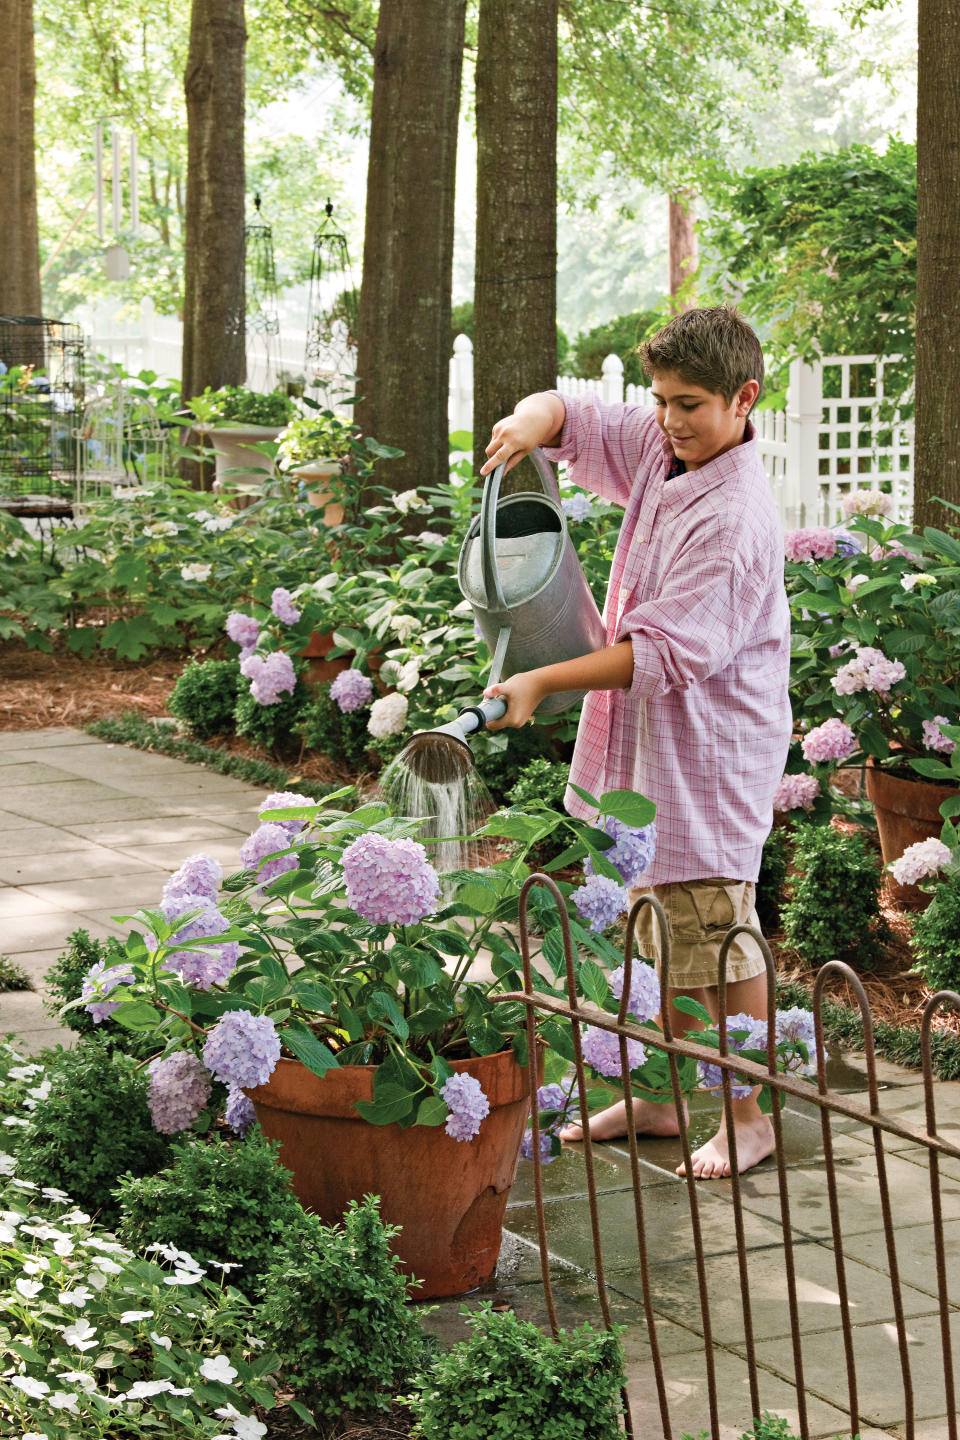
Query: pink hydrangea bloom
x=270 y=676
x=869 y=670
x=389 y=882
x=468 y=1106
x=242 y=1049
x=211 y=964
x=284 y=800
x=243 y=630
x=199 y=874
x=934 y=739
x=796 y=792
x=351 y=690
x=644 y=1000
x=830 y=741
x=179 y=1089
x=815 y=543
x=920 y=862
x=263 y=843
x=281 y=604
x=601 y=1049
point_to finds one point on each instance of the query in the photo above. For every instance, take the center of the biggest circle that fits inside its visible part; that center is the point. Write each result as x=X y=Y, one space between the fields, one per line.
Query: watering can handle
x=488 y=525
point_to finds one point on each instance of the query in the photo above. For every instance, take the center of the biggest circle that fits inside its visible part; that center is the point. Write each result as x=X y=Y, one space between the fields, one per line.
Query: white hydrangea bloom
x=388 y=715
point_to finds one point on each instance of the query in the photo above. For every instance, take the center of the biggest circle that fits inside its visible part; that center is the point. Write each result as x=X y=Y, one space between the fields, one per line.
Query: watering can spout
x=442 y=755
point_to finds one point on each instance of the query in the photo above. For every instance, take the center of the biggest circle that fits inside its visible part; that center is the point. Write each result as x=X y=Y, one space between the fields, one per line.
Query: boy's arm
x=536 y=420
x=607 y=669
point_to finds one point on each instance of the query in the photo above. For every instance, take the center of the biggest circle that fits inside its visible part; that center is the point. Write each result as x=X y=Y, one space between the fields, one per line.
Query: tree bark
x=403 y=331
x=19 y=243
x=30 y=292
x=937 y=447
x=214 y=289
x=683 y=246
x=515 y=281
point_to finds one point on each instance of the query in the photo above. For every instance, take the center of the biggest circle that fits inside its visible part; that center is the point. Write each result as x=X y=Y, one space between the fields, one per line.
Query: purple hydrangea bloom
x=710 y=1077
x=264 y=842
x=847 y=544
x=243 y=630
x=389 y=881
x=281 y=603
x=179 y=1089
x=199 y=874
x=577 y=507
x=242 y=1049
x=792 y=1025
x=351 y=690
x=284 y=800
x=211 y=964
x=600 y=901
x=100 y=979
x=467 y=1104
x=644 y=1000
x=549 y=1097
x=601 y=1049
x=240 y=1114
x=632 y=850
x=546 y=1146
x=270 y=676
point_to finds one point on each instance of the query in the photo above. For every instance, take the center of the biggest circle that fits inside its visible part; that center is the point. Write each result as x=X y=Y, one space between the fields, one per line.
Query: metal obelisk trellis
x=329 y=357
x=262 y=317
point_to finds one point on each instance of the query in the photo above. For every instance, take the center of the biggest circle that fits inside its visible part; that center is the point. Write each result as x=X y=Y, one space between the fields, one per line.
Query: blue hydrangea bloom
x=600 y=901
x=242 y=1049
x=632 y=850
x=467 y=1105
x=644 y=1000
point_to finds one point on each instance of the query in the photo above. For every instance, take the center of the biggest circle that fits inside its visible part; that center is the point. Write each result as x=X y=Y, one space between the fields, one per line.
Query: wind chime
x=330 y=355
x=262 y=315
x=116 y=260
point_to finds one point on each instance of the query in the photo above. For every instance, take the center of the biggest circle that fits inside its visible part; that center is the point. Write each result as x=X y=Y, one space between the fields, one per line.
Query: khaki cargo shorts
x=699 y=913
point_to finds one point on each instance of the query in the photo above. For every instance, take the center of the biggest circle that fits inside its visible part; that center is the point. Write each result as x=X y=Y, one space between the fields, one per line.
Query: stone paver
x=90 y=831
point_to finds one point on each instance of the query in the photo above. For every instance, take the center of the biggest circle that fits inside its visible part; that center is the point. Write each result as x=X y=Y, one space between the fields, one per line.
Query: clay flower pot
x=907 y=811
x=321 y=671
x=448 y=1195
x=313 y=473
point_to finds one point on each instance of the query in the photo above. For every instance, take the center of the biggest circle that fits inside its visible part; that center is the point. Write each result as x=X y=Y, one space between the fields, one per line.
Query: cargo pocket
x=710 y=908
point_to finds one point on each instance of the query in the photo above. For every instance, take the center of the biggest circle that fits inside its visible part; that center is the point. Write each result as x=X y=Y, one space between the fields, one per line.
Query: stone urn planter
x=449 y=1196
x=232 y=444
x=907 y=811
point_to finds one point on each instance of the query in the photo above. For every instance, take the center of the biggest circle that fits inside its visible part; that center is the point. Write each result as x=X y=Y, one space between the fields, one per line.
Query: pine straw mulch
x=283 y=1424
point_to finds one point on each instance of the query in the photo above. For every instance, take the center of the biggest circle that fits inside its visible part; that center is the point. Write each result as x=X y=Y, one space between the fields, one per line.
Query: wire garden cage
x=41 y=400
x=122 y=442
x=330 y=354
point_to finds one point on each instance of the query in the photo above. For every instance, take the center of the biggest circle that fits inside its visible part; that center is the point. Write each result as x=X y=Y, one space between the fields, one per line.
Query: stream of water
x=454 y=809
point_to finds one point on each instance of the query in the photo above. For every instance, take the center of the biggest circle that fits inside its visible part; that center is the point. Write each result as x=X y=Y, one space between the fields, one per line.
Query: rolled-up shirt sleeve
x=604 y=445
x=694 y=626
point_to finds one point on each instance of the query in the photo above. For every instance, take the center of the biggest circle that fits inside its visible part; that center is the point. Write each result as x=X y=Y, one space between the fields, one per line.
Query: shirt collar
x=687 y=486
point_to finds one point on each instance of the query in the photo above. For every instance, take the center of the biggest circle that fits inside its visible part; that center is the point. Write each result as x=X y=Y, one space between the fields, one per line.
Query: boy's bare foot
x=755 y=1141
x=648 y=1119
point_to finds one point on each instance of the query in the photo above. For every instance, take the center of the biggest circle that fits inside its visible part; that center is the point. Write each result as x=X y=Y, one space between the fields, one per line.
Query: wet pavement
x=89 y=831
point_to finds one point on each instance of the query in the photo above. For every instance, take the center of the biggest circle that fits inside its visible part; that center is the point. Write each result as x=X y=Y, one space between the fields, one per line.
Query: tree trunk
x=19 y=243
x=937 y=453
x=403 y=331
x=683 y=246
x=214 y=289
x=515 y=283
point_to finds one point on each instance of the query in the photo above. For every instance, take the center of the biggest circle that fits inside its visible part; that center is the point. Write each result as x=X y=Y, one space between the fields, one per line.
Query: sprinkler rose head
x=439 y=757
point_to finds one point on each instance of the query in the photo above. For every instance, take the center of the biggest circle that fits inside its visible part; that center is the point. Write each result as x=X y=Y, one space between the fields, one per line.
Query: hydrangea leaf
x=692 y=1007
x=628 y=807
x=302 y=1043
x=137 y=1015
x=593 y=983
x=432 y=1111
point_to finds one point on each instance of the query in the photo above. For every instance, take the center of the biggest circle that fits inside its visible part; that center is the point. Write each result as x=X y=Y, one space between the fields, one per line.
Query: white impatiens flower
x=145 y=1389
x=80 y=1335
x=78 y=1296
x=163 y=1341
x=36 y=1389
x=403 y=626
x=7 y=1233
x=196 y=572
x=62 y=1400
x=218 y=1367
x=34 y=1265
x=408 y=500
x=130 y=1317
x=75 y=1217
x=388 y=715
x=183 y=1277
x=29 y=1288
x=108 y=1266
x=80 y=1378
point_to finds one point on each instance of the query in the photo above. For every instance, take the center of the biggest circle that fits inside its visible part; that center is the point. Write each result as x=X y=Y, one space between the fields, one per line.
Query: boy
x=688 y=703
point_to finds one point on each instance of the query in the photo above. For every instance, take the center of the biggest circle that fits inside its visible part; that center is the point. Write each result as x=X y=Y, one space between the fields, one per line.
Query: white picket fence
x=833 y=436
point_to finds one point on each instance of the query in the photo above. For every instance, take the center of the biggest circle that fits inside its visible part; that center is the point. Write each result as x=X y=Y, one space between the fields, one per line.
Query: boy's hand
x=537 y=420
x=523 y=693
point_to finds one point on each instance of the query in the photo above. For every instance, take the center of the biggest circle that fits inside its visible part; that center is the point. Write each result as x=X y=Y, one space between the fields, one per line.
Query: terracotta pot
x=321 y=671
x=907 y=811
x=448 y=1195
x=314 y=472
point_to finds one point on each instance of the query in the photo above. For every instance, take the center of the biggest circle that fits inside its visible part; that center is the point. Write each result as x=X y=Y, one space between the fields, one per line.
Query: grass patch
x=142 y=733
x=13 y=976
x=899 y=1043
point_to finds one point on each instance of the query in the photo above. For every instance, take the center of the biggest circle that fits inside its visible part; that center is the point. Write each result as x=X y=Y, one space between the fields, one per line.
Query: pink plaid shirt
x=697 y=586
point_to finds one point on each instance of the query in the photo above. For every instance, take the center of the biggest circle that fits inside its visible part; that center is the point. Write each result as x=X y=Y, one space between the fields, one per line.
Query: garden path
x=88 y=830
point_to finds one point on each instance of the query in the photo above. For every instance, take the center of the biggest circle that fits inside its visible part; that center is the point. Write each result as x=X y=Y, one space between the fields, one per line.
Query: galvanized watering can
x=520 y=572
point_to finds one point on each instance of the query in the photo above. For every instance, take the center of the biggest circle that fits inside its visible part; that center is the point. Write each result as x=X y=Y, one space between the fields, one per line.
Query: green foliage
x=833 y=912
x=64 y=981
x=205 y=696
x=542 y=781
x=317 y=436
x=619 y=336
x=13 y=976
x=224 y=1201
x=773 y=873
x=235 y=404
x=335 y=1308
x=93 y=1127
x=501 y=765
x=508 y=1379
x=324 y=727
x=936 y=936
x=272 y=726
x=824 y=252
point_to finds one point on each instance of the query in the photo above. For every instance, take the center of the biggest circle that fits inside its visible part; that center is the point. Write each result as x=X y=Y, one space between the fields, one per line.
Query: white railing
x=833 y=436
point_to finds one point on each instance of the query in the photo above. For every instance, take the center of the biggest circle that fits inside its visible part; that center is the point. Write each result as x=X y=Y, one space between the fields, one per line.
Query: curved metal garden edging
x=781 y=1085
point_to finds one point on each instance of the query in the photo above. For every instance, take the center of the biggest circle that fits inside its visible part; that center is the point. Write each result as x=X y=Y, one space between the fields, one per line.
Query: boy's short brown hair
x=713 y=347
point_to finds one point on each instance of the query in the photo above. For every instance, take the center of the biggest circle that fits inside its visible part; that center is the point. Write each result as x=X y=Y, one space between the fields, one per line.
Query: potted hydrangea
x=874 y=677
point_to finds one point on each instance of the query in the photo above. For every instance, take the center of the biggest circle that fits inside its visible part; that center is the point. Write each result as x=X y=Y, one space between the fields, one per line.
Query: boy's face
x=699 y=423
